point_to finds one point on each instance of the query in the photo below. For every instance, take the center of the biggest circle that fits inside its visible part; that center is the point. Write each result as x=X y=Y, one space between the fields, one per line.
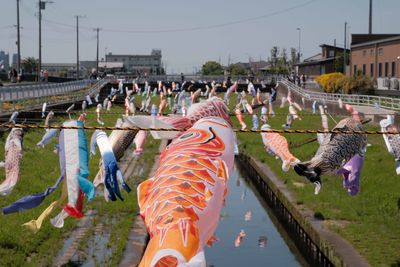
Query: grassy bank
x=40 y=169
x=370 y=220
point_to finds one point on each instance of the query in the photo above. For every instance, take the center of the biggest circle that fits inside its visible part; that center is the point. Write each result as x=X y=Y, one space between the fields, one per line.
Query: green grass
x=369 y=221
x=373 y=216
x=40 y=169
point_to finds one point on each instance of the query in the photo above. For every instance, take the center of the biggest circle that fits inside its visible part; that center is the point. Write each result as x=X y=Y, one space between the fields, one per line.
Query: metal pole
x=370 y=17
x=77 y=47
x=298 y=53
x=97 y=52
x=18 y=41
x=345 y=49
x=334 y=55
x=40 y=40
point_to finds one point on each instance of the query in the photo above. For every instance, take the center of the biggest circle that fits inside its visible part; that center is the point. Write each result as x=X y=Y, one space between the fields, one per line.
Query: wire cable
x=285 y=131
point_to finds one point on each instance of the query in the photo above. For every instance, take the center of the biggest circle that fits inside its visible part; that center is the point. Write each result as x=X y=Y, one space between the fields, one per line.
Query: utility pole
x=77 y=45
x=370 y=17
x=345 y=49
x=40 y=38
x=299 y=52
x=334 y=55
x=42 y=5
x=18 y=41
x=97 y=51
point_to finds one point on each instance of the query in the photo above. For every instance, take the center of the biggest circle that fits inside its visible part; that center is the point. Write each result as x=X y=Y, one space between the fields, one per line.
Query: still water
x=246 y=215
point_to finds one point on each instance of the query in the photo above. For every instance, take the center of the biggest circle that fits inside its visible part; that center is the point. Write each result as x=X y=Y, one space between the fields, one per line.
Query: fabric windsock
x=112 y=174
x=351 y=173
x=89 y=100
x=239 y=116
x=44 y=109
x=139 y=141
x=278 y=145
x=264 y=117
x=50 y=134
x=74 y=161
x=255 y=122
x=284 y=100
x=324 y=118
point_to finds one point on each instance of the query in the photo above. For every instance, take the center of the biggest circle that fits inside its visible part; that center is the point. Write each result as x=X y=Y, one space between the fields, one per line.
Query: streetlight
x=298 y=52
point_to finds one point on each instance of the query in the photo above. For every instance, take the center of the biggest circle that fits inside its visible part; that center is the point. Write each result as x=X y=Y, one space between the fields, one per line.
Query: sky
x=188 y=32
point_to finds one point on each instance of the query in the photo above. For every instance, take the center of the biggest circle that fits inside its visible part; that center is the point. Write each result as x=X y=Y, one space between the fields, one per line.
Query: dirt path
x=96 y=235
x=137 y=239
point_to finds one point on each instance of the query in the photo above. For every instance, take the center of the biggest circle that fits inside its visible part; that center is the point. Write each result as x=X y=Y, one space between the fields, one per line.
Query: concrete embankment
x=319 y=245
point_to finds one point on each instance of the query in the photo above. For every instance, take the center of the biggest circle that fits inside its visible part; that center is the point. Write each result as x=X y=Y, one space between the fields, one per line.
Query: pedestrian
x=15 y=75
x=46 y=75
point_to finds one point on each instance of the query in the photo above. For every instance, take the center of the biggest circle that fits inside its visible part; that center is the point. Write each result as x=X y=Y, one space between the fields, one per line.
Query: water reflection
x=247 y=235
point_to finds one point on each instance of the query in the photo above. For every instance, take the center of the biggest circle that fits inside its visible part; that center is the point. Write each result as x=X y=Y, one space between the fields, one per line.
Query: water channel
x=264 y=242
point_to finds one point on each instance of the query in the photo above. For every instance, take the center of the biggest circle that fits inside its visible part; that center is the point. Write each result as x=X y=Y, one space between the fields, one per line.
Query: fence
x=358 y=100
x=197 y=77
x=31 y=97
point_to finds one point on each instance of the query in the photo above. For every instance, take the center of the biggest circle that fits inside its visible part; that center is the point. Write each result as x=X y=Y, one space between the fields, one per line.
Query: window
x=380 y=51
x=355 y=70
x=364 y=53
x=393 y=69
x=371 y=52
x=386 y=69
x=331 y=53
x=364 y=69
x=380 y=70
x=372 y=70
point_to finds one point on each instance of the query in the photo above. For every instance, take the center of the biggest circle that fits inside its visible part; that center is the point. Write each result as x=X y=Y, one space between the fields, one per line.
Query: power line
x=198 y=28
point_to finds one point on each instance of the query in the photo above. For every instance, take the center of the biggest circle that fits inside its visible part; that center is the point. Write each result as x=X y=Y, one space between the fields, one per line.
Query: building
x=65 y=70
x=376 y=55
x=4 y=61
x=322 y=63
x=14 y=60
x=139 y=64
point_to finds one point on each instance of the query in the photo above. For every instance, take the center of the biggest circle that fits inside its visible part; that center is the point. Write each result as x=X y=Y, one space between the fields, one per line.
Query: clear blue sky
x=321 y=21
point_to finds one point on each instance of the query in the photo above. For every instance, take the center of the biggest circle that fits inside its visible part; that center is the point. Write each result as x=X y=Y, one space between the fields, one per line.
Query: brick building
x=375 y=55
x=321 y=63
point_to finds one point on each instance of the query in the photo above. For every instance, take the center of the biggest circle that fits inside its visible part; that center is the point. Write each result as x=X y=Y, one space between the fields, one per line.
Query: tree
x=237 y=70
x=339 y=62
x=274 y=55
x=212 y=68
x=293 y=57
x=29 y=64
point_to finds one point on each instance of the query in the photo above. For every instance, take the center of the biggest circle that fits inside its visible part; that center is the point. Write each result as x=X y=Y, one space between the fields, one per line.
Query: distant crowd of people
x=299 y=80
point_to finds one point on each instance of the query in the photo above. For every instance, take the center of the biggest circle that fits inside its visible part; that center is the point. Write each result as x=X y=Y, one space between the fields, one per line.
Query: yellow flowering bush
x=332 y=82
x=338 y=83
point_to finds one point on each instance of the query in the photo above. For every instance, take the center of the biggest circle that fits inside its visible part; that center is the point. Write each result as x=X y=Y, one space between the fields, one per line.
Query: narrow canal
x=248 y=232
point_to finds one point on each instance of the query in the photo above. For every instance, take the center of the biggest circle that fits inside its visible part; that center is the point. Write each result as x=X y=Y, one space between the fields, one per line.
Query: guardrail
x=15 y=93
x=56 y=94
x=209 y=78
x=359 y=100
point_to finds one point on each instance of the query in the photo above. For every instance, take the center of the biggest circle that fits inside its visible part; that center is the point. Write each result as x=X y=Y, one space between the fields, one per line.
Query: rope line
x=104 y=112
x=286 y=131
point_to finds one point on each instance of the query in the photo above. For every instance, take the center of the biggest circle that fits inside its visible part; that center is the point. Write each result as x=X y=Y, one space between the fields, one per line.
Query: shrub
x=337 y=82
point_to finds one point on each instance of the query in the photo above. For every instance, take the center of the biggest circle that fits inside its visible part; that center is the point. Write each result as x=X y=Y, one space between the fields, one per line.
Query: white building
x=150 y=64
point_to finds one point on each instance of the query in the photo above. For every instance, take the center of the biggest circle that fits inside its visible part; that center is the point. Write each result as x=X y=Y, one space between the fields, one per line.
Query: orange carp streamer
x=182 y=202
x=278 y=145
